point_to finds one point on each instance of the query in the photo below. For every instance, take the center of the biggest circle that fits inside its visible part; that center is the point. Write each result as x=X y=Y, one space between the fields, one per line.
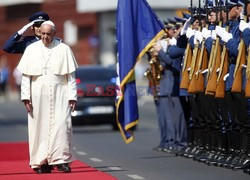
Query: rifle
x=193 y=68
x=196 y=54
x=215 y=62
x=187 y=63
x=187 y=59
x=224 y=65
x=220 y=90
x=247 y=88
x=202 y=63
x=241 y=59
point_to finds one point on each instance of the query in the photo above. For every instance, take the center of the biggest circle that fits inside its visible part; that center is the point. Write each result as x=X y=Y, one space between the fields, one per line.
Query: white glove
x=24 y=28
x=198 y=36
x=190 y=33
x=243 y=25
x=206 y=33
x=226 y=37
x=244 y=66
x=242 y=14
x=225 y=77
x=186 y=26
x=220 y=31
x=172 y=41
x=205 y=71
x=164 y=44
x=213 y=35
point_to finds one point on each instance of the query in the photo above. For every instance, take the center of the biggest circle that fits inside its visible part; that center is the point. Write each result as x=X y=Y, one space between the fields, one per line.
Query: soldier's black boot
x=201 y=145
x=190 y=142
x=223 y=149
x=231 y=151
x=214 y=151
x=244 y=163
x=207 y=144
x=189 y=153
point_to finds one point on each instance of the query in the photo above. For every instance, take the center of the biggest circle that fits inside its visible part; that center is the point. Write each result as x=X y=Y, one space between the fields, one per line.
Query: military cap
x=209 y=4
x=170 y=24
x=199 y=11
x=39 y=16
x=179 y=20
x=186 y=15
x=240 y=3
x=232 y=3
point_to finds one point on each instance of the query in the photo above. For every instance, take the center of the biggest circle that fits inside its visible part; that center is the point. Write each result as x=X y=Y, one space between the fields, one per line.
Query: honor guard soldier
x=17 y=43
x=245 y=30
x=177 y=52
x=236 y=101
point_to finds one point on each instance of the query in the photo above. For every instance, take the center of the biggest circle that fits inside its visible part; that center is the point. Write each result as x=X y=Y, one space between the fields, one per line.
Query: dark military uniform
x=17 y=44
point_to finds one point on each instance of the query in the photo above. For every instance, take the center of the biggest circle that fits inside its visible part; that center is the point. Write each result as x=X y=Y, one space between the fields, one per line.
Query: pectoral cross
x=45 y=70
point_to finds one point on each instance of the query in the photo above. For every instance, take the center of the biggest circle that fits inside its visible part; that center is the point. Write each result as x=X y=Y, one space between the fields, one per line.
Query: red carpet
x=14 y=165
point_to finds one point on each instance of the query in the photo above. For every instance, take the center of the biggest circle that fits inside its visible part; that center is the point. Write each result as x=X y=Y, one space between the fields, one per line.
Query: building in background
x=87 y=26
x=106 y=11
x=79 y=30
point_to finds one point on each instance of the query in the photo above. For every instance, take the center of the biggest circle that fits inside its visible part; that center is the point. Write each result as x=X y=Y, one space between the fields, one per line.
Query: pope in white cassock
x=49 y=94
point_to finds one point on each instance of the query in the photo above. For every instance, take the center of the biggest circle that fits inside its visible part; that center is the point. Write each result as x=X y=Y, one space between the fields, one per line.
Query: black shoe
x=182 y=151
x=243 y=164
x=64 y=167
x=45 y=168
x=247 y=171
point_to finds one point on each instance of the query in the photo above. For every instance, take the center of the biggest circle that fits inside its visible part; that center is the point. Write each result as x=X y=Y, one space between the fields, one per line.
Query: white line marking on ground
x=134 y=176
x=95 y=159
x=81 y=153
x=115 y=168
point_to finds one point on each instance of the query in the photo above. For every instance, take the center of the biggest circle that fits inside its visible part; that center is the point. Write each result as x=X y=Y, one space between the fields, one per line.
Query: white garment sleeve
x=72 y=86
x=25 y=87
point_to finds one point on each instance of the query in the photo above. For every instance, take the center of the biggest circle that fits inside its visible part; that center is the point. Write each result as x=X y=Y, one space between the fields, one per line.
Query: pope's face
x=47 y=34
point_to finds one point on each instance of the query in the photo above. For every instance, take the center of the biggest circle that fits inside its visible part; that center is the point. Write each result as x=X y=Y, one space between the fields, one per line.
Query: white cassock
x=49 y=83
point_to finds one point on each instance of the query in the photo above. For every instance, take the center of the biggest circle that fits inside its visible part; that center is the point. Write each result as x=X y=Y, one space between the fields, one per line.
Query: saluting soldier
x=17 y=43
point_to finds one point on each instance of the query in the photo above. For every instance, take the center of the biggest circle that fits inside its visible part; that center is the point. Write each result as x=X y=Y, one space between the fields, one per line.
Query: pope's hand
x=72 y=105
x=24 y=28
x=28 y=106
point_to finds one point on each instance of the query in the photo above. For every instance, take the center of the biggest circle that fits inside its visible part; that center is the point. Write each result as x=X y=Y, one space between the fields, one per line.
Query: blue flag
x=138 y=28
